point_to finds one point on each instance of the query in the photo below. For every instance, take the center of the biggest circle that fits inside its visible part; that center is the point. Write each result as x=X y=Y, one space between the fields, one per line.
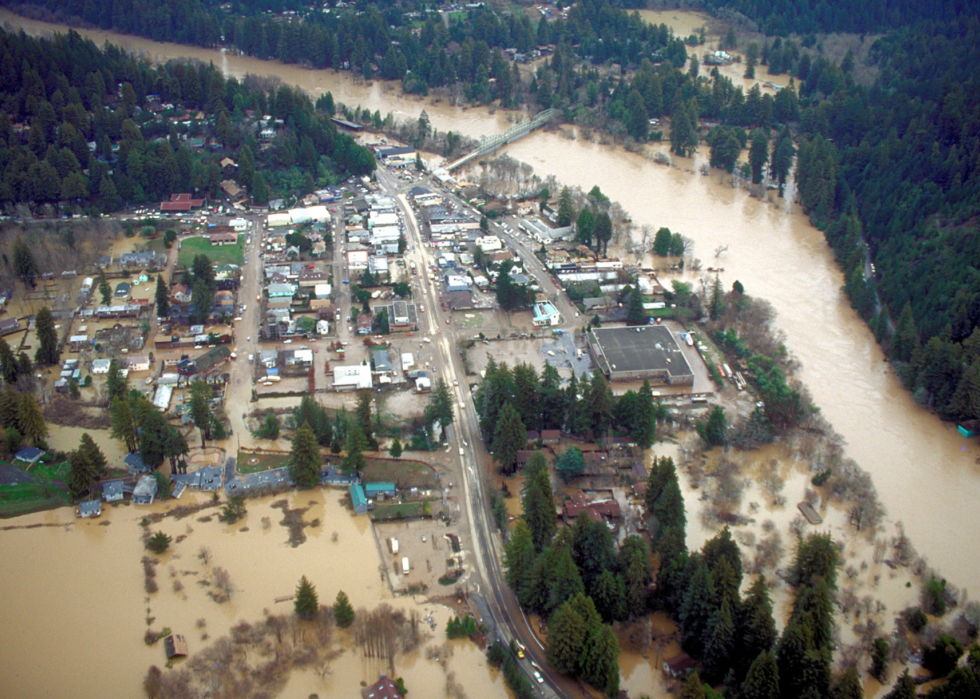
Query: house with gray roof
x=112 y=491
x=145 y=491
x=89 y=508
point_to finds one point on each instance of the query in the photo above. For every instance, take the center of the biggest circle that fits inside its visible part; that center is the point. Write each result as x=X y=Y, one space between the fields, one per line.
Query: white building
x=357 y=261
x=239 y=224
x=322 y=291
x=319 y=214
x=352 y=378
x=101 y=366
x=279 y=220
x=490 y=243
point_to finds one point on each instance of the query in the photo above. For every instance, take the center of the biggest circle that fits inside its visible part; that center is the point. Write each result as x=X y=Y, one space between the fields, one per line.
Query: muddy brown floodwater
x=78 y=627
x=925 y=473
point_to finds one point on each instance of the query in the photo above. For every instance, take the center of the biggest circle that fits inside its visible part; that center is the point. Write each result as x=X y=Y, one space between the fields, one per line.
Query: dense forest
x=98 y=128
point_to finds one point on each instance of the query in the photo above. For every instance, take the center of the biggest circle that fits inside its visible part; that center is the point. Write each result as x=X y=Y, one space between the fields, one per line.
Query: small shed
x=176 y=646
x=29 y=455
x=89 y=508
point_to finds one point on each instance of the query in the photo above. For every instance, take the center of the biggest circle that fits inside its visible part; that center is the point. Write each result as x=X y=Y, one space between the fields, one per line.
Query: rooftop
x=635 y=349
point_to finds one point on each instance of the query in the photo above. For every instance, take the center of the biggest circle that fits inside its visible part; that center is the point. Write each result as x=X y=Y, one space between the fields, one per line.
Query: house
x=181 y=203
x=141 y=363
x=459 y=300
x=9 y=325
x=550 y=436
x=123 y=289
x=205 y=363
x=382 y=362
x=227 y=164
x=364 y=325
x=373 y=490
x=89 y=508
x=523 y=456
x=334 y=477
x=181 y=293
x=112 y=491
x=282 y=291
x=134 y=463
x=78 y=342
x=142 y=260
x=175 y=644
x=223 y=239
x=382 y=689
x=29 y=455
x=596 y=510
x=358 y=500
x=678 y=666
x=352 y=378
x=531 y=437
x=145 y=490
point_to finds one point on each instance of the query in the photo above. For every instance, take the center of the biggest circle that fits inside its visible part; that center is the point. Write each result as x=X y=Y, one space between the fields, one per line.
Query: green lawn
x=404 y=474
x=219 y=254
x=397 y=510
x=262 y=462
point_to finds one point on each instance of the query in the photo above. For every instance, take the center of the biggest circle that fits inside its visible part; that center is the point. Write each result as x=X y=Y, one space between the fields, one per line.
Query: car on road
x=538 y=678
x=455 y=382
x=248 y=338
x=520 y=652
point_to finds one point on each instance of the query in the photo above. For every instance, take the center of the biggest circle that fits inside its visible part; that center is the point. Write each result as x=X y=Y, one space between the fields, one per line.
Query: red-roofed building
x=599 y=511
x=382 y=689
x=181 y=202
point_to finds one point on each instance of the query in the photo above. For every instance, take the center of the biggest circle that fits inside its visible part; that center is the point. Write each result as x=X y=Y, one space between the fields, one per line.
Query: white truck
x=394 y=546
x=405 y=567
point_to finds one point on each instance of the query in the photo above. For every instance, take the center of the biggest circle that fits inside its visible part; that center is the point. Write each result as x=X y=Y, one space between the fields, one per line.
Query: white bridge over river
x=489 y=144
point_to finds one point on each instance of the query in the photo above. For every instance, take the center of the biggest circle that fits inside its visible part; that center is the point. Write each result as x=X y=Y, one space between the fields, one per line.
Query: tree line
x=86 y=135
x=510 y=402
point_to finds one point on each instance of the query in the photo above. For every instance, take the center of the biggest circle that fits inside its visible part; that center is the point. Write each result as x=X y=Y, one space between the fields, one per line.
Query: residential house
x=29 y=455
x=123 y=289
x=181 y=203
x=382 y=689
x=382 y=362
x=112 y=491
x=134 y=463
x=78 y=342
x=597 y=510
x=333 y=476
x=9 y=325
x=89 y=508
x=145 y=491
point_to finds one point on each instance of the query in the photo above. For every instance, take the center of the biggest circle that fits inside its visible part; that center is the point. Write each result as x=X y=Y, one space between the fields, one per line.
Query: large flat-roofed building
x=632 y=354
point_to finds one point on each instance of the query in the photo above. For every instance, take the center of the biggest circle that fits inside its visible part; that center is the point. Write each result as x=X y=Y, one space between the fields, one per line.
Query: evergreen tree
x=599 y=660
x=635 y=315
x=363 y=415
x=609 y=595
x=564 y=581
x=162 y=298
x=566 y=208
x=905 y=340
x=698 y=607
x=304 y=458
x=30 y=420
x=343 y=612
x=10 y=407
x=201 y=413
x=439 y=407
x=714 y=431
x=643 y=426
x=720 y=644
x=115 y=384
x=306 y=603
x=661 y=242
x=848 y=686
x=904 y=688
x=93 y=454
x=634 y=562
x=584 y=225
x=122 y=424
x=538 y=501
x=8 y=363
x=756 y=626
x=82 y=475
x=664 y=502
x=599 y=403
x=692 y=687
x=758 y=154
x=567 y=631
x=105 y=291
x=519 y=555
x=552 y=399
x=509 y=437
x=592 y=549
x=762 y=680
x=47 y=338
x=354 y=447
x=25 y=265
x=396 y=448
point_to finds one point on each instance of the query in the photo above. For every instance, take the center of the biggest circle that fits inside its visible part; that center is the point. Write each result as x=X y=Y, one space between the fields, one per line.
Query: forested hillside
x=99 y=128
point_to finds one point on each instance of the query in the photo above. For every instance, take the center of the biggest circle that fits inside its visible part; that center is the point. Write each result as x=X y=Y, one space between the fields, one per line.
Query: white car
x=538 y=678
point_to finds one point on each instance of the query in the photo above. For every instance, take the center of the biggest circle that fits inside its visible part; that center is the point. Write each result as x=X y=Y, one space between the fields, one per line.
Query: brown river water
x=926 y=474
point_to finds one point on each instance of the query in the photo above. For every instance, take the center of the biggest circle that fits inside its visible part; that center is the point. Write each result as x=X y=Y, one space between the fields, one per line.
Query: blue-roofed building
x=545 y=314
x=373 y=490
x=89 y=508
x=29 y=455
x=358 y=500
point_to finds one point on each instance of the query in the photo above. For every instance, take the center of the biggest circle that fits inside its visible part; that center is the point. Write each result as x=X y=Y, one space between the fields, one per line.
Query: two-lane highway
x=490 y=587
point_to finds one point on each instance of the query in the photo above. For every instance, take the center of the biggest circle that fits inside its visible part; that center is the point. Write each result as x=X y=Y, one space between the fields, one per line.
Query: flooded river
x=925 y=472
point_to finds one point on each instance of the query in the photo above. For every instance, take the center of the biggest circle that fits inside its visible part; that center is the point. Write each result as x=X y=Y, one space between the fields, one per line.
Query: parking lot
x=426 y=546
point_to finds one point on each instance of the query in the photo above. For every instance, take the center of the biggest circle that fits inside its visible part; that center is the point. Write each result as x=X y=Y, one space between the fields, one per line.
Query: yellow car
x=520 y=653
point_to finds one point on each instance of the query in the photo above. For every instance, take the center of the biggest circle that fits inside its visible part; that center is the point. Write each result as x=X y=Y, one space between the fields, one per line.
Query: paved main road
x=491 y=590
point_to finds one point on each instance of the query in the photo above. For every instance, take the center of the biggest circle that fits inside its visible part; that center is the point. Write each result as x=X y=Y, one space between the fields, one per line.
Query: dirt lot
x=427 y=548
